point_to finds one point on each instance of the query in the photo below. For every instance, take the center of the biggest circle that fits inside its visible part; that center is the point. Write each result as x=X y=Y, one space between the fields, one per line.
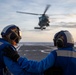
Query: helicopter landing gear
x=47 y=25
x=39 y=28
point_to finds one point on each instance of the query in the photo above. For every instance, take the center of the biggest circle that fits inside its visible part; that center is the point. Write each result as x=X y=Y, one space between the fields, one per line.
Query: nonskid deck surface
x=35 y=52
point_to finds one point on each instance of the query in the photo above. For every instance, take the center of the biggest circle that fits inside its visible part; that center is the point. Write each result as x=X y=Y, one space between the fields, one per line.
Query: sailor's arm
x=34 y=66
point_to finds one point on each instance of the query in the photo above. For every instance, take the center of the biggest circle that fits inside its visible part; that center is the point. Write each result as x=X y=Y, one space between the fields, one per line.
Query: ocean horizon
x=39 y=43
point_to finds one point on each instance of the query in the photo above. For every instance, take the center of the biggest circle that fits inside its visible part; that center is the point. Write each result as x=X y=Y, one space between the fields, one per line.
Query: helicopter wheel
x=42 y=28
x=47 y=25
x=39 y=28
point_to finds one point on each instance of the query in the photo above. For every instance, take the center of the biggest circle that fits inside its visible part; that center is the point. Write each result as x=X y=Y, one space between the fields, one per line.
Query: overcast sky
x=66 y=21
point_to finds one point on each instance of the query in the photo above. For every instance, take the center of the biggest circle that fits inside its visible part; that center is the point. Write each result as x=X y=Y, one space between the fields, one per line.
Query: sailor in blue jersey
x=11 y=36
x=63 y=57
x=8 y=38
x=66 y=54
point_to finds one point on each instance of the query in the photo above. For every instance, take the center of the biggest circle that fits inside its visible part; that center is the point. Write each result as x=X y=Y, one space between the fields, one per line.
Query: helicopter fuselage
x=43 y=21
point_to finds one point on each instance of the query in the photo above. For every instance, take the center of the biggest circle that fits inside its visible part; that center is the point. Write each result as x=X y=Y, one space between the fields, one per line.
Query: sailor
x=10 y=34
x=65 y=55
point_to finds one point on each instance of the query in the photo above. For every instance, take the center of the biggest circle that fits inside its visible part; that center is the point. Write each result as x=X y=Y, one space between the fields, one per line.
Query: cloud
x=8 y=14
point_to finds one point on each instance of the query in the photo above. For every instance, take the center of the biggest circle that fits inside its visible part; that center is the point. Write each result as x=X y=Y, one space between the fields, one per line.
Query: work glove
x=11 y=53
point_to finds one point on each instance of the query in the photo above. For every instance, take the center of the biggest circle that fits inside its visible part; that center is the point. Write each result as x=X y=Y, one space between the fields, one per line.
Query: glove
x=11 y=53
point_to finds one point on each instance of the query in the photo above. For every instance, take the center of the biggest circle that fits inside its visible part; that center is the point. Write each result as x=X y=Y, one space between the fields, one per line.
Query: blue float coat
x=66 y=59
x=3 y=43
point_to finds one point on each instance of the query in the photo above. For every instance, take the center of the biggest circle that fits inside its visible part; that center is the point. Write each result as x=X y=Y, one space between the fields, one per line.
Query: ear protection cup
x=59 y=42
x=13 y=36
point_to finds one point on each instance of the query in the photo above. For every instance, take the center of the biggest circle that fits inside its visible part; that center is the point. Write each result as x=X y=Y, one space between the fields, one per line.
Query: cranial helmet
x=63 y=39
x=11 y=32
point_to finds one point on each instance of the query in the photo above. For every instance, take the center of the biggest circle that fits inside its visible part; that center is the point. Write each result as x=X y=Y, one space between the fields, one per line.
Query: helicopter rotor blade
x=28 y=13
x=47 y=7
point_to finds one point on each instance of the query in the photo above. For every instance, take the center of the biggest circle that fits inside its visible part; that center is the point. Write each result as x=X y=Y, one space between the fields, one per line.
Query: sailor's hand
x=10 y=53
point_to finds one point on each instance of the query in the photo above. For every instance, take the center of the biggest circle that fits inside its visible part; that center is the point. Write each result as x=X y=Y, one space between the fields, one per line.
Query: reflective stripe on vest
x=66 y=53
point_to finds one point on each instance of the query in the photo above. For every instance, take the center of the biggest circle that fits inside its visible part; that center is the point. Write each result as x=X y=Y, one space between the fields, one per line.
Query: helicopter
x=43 y=19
